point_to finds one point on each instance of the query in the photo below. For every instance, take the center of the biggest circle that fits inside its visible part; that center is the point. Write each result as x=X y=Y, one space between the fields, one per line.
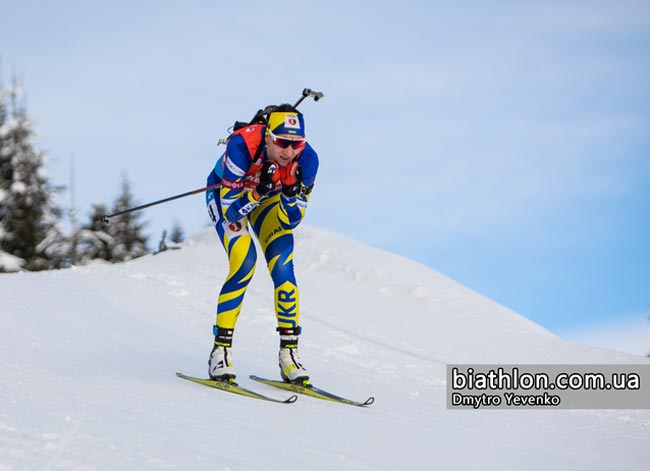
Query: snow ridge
x=88 y=357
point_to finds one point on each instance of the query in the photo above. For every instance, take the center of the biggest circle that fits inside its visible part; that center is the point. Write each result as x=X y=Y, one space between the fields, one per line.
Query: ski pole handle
x=308 y=92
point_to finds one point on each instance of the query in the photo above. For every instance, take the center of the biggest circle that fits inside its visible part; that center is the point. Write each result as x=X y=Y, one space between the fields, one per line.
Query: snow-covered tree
x=93 y=239
x=120 y=240
x=30 y=229
x=162 y=245
x=8 y=262
x=177 y=236
x=129 y=240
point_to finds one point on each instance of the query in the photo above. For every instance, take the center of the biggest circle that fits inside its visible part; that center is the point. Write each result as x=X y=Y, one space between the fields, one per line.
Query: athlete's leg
x=242 y=256
x=277 y=244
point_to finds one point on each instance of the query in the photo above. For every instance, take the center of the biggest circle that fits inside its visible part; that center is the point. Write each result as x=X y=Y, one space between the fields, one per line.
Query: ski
x=311 y=390
x=234 y=388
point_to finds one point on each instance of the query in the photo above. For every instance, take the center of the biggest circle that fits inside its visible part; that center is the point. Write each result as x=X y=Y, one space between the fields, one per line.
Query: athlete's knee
x=250 y=261
x=281 y=269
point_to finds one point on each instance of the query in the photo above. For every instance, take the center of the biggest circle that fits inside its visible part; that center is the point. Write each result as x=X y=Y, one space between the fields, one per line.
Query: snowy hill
x=88 y=356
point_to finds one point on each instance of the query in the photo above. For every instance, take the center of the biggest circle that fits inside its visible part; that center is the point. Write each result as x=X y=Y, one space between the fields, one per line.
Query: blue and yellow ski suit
x=233 y=211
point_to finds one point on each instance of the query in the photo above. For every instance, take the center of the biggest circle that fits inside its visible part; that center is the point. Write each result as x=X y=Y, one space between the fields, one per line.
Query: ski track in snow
x=70 y=437
x=88 y=357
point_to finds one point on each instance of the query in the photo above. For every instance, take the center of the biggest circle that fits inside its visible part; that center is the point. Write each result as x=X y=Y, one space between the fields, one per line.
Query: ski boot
x=291 y=370
x=220 y=366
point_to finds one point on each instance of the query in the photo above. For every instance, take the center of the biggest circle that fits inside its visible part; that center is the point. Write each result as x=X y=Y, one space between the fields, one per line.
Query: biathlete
x=267 y=174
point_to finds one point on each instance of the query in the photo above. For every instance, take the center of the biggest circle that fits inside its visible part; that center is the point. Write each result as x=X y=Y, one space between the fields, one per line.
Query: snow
x=88 y=357
x=18 y=187
x=8 y=262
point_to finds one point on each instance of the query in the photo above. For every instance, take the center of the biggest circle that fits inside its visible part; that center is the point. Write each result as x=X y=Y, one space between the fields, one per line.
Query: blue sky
x=504 y=144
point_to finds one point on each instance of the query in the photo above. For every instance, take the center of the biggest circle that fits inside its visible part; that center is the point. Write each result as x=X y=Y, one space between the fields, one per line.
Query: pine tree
x=177 y=235
x=120 y=240
x=162 y=245
x=129 y=240
x=8 y=262
x=93 y=239
x=29 y=218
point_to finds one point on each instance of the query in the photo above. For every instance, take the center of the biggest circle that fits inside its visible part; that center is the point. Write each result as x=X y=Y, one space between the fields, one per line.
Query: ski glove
x=291 y=180
x=269 y=176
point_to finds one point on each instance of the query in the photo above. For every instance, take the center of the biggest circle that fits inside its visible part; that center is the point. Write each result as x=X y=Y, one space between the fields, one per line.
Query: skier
x=267 y=174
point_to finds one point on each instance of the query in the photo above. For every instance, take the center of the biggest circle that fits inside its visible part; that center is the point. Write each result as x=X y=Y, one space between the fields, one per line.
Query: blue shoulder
x=237 y=159
x=308 y=164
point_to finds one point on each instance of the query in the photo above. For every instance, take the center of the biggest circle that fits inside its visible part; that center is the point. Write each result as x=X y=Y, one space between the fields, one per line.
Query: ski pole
x=106 y=217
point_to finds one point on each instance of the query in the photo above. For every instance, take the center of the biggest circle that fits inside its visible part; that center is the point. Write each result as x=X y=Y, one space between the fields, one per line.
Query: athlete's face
x=281 y=151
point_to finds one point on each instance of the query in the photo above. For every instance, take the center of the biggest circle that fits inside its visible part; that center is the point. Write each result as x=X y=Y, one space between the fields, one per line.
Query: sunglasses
x=284 y=143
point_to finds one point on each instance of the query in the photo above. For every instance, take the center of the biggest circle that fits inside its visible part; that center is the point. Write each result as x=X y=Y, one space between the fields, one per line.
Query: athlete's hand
x=291 y=179
x=269 y=176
